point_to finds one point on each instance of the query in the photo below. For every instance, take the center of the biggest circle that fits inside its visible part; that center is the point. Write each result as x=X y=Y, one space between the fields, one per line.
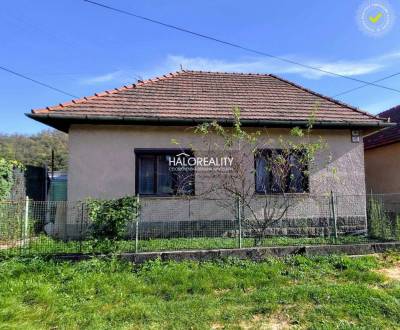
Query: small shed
x=58 y=186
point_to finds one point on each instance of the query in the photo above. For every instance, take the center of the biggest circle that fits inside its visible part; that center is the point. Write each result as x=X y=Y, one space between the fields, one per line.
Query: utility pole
x=52 y=163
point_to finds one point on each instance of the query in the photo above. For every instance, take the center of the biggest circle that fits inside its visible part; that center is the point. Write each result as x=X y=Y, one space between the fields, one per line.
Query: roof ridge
x=107 y=92
x=229 y=73
x=343 y=104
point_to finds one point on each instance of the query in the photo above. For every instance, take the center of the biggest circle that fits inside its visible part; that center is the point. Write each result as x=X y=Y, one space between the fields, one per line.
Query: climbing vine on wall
x=6 y=176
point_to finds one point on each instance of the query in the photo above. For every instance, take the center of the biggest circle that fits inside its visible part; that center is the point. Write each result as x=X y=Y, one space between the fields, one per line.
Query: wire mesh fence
x=182 y=223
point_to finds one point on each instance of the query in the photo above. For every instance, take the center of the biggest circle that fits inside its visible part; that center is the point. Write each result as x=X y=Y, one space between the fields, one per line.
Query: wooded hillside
x=36 y=149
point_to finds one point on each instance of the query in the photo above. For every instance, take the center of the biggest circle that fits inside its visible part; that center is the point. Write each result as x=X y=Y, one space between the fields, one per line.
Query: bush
x=110 y=217
x=382 y=224
x=11 y=221
x=6 y=176
x=396 y=229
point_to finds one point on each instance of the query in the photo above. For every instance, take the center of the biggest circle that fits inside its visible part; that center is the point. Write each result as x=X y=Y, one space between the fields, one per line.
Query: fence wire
x=177 y=223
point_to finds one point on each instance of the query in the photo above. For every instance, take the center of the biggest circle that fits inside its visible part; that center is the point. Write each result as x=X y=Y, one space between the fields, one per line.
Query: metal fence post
x=334 y=214
x=239 y=215
x=81 y=227
x=384 y=221
x=137 y=224
x=26 y=221
x=20 y=238
x=367 y=212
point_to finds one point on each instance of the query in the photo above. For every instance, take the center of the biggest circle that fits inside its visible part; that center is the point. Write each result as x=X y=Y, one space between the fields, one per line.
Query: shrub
x=397 y=227
x=110 y=217
x=6 y=176
x=382 y=224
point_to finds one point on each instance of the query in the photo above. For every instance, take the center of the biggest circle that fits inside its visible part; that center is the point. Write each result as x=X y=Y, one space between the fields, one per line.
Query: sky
x=83 y=49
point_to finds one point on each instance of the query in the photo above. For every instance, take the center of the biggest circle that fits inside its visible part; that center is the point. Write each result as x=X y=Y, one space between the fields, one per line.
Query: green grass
x=45 y=245
x=322 y=292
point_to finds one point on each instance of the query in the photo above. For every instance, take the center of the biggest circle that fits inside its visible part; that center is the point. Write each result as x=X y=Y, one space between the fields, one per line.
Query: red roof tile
x=206 y=96
x=388 y=135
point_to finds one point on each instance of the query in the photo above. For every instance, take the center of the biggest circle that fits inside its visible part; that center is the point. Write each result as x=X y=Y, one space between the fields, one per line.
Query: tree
x=36 y=149
x=282 y=169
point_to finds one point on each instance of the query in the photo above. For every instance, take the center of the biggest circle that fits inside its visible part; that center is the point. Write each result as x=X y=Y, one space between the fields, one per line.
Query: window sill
x=306 y=193
x=166 y=196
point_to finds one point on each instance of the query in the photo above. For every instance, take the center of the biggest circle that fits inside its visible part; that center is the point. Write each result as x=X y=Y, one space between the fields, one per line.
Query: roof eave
x=381 y=144
x=63 y=122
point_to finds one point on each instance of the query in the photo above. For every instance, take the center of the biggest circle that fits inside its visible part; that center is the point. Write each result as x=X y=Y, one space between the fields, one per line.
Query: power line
x=236 y=45
x=362 y=86
x=37 y=82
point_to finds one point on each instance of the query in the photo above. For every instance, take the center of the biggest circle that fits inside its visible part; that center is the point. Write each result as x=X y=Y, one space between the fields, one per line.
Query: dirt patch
x=9 y=245
x=249 y=289
x=276 y=321
x=392 y=273
x=220 y=292
x=4 y=245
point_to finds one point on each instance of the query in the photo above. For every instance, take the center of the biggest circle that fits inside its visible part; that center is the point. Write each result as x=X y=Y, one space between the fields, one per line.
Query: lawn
x=319 y=292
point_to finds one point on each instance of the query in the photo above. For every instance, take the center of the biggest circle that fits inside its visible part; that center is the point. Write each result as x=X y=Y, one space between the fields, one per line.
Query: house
x=119 y=140
x=382 y=156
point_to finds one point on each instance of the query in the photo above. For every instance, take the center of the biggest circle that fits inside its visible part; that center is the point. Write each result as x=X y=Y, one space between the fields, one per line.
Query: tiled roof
x=208 y=95
x=388 y=135
x=392 y=113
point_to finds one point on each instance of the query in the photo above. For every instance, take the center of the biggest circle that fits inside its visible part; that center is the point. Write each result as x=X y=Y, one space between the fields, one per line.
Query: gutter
x=65 y=120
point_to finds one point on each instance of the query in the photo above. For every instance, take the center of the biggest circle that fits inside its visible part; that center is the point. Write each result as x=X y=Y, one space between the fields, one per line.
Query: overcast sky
x=84 y=49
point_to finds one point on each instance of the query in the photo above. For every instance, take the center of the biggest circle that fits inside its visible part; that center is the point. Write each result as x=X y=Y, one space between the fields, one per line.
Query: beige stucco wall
x=102 y=165
x=382 y=167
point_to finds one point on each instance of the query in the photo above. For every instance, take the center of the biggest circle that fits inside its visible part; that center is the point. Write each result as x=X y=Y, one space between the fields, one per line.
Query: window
x=156 y=173
x=277 y=171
